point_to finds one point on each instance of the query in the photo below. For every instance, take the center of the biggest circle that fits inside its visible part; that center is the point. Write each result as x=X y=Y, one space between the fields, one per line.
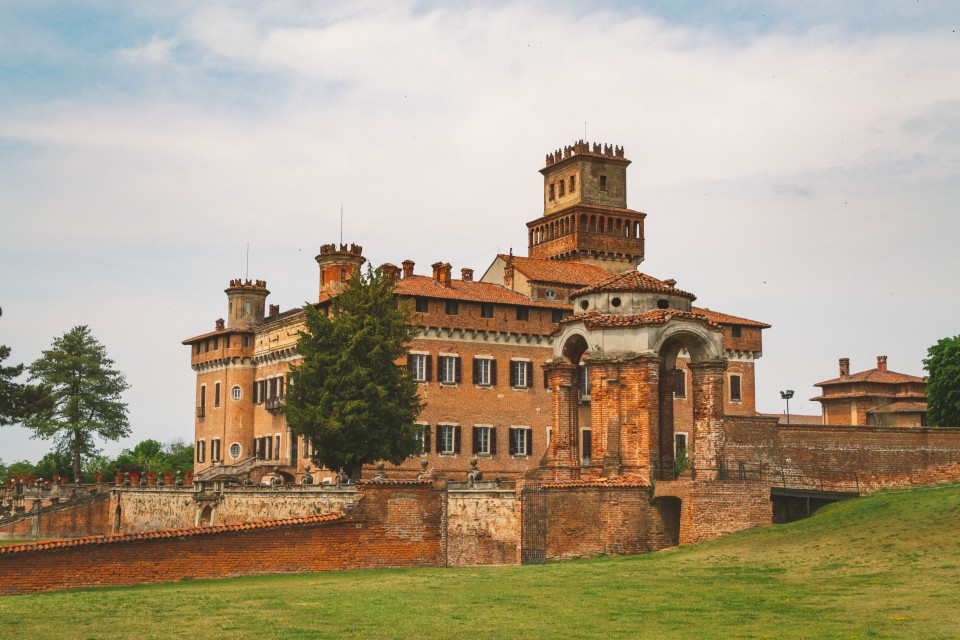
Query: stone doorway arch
x=205 y=517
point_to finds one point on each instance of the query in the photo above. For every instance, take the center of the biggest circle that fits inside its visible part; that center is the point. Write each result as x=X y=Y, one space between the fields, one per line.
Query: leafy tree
x=16 y=400
x=180 y=456
x=943 y=385
x=84 y=391
x=349 y=397
x=54 y=463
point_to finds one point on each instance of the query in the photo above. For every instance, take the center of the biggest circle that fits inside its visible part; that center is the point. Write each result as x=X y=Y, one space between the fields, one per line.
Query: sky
x=799 y=164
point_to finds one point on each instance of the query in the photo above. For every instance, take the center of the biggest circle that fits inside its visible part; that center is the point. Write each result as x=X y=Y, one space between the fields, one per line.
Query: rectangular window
x=452 y=307
x=603 y=183
x=203 y=396
x=573 y=183
x=306 y=449
x=484 y=372
x=247 y=340
x=216 y=395
x=551 y=192
x=680 y=385
x=735 y=395
x=227 y=341
x=422 y=305
x=420 y=365
x=584 y=382
x=206 y=346
x=201 y=451
x=521 y=443
x=523 y=313
x=556 y=316
x=198 y=348
x=521 y=373
x=448 y=439
x=737 y=331
x=586 y=446
x=484 y=441
x=486 y=310
x=425 y=437
x=267 y=450
x=562 y=186
x=215 y=450
x=679 y=443
x=448 y=369
x=276 y=449
x=216 y=343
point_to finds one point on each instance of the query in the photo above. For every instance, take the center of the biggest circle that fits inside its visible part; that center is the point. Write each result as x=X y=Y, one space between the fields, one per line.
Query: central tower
x=585 y=215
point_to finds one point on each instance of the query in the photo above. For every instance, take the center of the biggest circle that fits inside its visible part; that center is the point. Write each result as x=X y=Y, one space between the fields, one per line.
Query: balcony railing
x=201 y=411
x=274 y=404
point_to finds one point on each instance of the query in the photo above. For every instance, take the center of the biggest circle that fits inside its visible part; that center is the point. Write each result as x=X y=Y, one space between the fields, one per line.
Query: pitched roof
x=632 y=281
x=725 y=318
x=167 y=533
x=556 y=271
x=901 y=407
x=595 y=319
x=212 y=334
x=469 y=291
x=873 y=375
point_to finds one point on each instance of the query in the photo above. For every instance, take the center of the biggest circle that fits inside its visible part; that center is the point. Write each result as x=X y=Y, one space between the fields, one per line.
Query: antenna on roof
x=247 y=277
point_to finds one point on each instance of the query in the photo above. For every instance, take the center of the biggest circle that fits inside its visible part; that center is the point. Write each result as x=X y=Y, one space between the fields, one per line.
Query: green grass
x=886 y=566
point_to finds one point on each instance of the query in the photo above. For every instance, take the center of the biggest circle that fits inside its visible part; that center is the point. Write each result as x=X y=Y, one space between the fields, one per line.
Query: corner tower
x=337 y=266
x=246 y=300
x=585 y=215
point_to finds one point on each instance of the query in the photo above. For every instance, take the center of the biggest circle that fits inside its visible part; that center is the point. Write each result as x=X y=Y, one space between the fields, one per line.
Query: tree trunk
x=76 y=464
x=355 y=470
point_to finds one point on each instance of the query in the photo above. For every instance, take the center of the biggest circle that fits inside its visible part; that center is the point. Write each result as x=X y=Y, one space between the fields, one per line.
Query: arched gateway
x=621 y=347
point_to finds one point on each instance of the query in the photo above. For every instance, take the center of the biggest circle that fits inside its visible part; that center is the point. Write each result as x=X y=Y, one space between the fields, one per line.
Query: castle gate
x=533 y=527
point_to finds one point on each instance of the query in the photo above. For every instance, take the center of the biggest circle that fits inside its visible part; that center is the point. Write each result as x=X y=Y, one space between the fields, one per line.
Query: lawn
x=886 y=566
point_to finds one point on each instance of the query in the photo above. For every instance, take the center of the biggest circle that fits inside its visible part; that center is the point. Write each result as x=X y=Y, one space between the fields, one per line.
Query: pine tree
x=348 y=397
x=84 y=396
x=943 y=385
x=17 y=400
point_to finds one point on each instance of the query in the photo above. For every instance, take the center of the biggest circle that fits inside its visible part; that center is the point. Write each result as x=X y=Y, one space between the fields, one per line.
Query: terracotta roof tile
x=212 y=334
x=725 y=318
x=873 y=375
x=795 y=419
x=901 y=407
x=469 y=291
x=625 y=481
x=167 y=533
x=595 y=319
x=632 y=281
x=556 y=271
x=396 y=481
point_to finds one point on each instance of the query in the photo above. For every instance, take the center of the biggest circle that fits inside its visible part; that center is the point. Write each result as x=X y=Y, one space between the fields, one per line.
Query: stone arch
x=205 y=517
x=117 y=519
x=572 y=347
x=700 y=344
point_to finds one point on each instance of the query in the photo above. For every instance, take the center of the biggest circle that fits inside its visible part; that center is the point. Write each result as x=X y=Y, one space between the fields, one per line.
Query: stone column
x=707 y=379
x=562 y=461
x=668 y=382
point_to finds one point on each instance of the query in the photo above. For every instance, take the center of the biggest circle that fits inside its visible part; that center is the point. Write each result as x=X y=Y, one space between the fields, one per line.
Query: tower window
x=603 y=183
x=735 y=390
x=551 y=192
x=343 y=275
x=737 y=331
x=423 y=305
x=486 y=310
x=561 y=185
x=573 y=183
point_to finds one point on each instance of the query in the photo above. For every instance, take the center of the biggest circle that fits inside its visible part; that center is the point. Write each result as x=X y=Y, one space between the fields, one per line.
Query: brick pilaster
x=707 y=377
x=562 y=461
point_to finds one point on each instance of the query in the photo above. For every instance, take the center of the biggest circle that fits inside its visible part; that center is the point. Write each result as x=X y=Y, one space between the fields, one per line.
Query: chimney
x=881 y=363
x=466 y=274
x=445 y=270
x=844 y=367
x=670 y=282
x=407 y=268
x=219 y=324
x=436 y=266
x=274 y=310
x=391 y=271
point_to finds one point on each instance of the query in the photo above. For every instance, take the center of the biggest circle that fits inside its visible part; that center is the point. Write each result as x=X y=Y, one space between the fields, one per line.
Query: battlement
x=250 y=285
x=351 y=249
x=581 y=148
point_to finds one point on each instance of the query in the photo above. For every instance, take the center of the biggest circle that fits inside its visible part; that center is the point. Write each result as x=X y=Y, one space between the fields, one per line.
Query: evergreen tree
x=348 y=397
x=17 y=400
x=84 y=392
x=943 y=385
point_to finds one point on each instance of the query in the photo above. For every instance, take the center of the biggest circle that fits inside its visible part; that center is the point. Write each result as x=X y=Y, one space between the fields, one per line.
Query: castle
x=568 y=355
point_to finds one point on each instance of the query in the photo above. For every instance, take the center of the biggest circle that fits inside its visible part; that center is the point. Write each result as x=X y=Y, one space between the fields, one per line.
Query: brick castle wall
x=83 y=517
x=482 y=528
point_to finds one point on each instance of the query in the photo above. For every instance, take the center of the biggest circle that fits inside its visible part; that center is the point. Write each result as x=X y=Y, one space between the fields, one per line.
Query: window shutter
x=546 y=380
x=529 y=450
x=439 y=439
x=493 y=440
x=493 y=373
x=429 y=359
x=276 y=450
x=456 y=439
x=280 y=385
x=410 y=366
x=513 y=374
x=513 y=442
x=254 y=392
x=426 y=438
x=529 y=374
x=476 y=440
x=457 y=368
x=476 y=371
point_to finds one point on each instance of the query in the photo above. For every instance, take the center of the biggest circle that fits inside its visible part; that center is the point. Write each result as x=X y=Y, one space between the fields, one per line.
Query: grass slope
x=885 y=566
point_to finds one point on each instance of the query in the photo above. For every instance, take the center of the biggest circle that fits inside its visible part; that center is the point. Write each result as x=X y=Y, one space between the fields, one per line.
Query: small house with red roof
x=875 y=397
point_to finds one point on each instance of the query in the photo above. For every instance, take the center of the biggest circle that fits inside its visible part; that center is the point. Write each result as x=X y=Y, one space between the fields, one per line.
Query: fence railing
x=797 y=478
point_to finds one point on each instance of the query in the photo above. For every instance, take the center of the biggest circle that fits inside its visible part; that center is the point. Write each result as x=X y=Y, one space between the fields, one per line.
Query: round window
x=615 y=302
x=235 y=450
x=236 y=393
x=663 y=304
x=551 y=294
x=584 y=304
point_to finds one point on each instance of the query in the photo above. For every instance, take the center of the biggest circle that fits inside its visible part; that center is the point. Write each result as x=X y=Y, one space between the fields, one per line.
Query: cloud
x=157 y=51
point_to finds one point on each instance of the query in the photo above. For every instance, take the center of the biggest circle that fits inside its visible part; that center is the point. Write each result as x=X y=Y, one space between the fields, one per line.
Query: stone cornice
x=223 y=363
x=479 y=335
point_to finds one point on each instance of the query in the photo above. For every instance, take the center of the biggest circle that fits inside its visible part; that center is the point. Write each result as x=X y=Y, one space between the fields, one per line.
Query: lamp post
x=786 y=395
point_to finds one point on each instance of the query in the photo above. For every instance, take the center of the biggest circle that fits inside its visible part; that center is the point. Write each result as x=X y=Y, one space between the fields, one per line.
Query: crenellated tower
x=337 y=265
x=585 y=215
x=246 y=299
